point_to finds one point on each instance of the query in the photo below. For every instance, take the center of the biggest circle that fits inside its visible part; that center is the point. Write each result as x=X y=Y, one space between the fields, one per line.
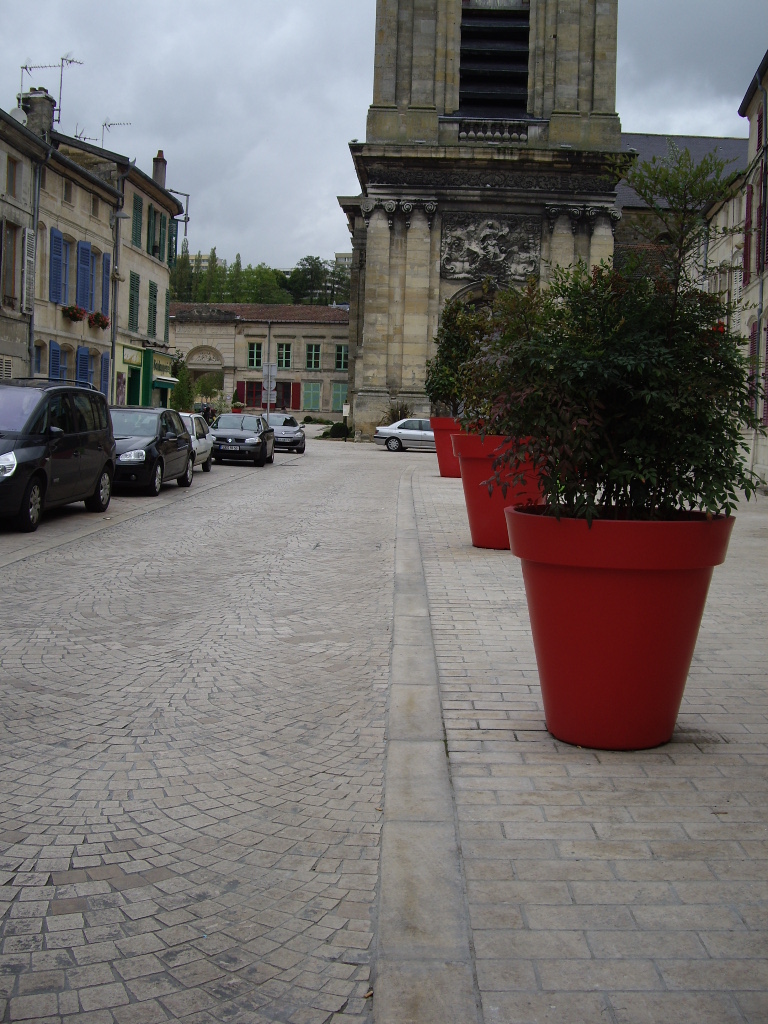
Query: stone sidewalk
x=621 y=887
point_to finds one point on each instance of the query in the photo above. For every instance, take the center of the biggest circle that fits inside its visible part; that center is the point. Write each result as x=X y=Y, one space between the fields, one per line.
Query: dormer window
x=494 y=62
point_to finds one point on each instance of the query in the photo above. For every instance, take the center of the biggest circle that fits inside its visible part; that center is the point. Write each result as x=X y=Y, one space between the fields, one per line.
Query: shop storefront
x=157 y=380
x=128 y=367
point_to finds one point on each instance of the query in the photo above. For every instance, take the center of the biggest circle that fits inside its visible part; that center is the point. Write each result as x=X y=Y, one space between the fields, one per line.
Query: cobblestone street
x=225 y=796
x=192 y=745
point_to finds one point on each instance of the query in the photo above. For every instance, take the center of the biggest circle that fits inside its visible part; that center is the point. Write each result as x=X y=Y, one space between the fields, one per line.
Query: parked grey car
x=409 y=433
x=243 y=437
x=289 y=433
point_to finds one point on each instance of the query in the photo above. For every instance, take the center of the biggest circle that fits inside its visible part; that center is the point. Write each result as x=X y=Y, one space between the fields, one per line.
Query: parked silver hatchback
x=409 y=433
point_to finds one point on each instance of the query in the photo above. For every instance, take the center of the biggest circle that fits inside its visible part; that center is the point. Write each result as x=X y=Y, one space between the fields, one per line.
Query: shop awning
x=165 y=382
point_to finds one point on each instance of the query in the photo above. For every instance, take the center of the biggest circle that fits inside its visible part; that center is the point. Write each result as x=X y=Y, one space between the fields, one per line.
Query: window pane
x=338 y=397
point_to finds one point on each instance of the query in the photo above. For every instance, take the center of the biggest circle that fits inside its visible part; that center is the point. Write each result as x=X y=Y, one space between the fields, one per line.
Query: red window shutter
x=747 y=259
x=295 y=395
x=753 y=364
x=240 y=391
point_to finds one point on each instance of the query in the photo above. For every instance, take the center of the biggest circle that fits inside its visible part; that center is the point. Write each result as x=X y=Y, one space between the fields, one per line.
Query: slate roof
x=232 y=312
x=648 y=146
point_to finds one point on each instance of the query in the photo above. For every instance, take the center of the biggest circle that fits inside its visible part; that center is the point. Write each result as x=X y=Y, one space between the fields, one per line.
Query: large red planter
x=615 y=612
x=442 y=428
x=485 y=511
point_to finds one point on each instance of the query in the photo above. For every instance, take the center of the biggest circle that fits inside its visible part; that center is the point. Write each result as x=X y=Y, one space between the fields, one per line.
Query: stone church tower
x=486 y=150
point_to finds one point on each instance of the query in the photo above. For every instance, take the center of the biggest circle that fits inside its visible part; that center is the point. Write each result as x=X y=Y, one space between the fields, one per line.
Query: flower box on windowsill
x=74 y=313
x=98 y=320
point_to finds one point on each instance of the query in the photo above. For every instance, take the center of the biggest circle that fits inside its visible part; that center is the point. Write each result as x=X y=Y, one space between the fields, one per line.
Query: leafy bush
x=338 y=430
x=624 y=388
x=462 y=327
x=397 y=411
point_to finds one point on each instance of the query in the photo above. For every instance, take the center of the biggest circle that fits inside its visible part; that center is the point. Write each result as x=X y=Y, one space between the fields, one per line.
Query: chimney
x=159 y=165
x=39 y=108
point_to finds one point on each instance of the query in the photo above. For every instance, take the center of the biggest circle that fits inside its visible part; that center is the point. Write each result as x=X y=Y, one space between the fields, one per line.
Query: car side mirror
x=56 y=431
x=170 y=436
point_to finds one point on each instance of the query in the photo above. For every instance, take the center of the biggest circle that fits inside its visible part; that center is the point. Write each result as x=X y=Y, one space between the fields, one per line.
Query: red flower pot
x=615 y=612
x=485 y=511
x=443 y=427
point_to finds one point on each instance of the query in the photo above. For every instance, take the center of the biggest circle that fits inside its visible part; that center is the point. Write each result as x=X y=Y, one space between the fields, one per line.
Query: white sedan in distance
x=410 y=433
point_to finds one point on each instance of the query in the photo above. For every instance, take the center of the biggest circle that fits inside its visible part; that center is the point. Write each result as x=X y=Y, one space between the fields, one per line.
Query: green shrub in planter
x=624 y=387
x=462 y=327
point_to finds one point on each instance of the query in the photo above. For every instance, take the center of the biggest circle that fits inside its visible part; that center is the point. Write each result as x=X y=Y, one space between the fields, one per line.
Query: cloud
x=254 y=101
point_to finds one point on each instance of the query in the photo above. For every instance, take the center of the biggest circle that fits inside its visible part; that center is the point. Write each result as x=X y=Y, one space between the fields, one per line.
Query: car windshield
x=234 y=421
x=278 y=419
x=134 y=422
x=16 y=406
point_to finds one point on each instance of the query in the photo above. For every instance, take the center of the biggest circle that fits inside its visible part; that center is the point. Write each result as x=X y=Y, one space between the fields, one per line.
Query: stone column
x=561 y=243
x=606 y=32
x=385 y=58
x=601 y=242
x=372 y=400
x=416 y=321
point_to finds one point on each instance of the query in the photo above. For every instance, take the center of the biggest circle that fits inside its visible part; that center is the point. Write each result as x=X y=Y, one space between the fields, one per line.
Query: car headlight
x=7 y=465
x=253 y=440
x=137 y=455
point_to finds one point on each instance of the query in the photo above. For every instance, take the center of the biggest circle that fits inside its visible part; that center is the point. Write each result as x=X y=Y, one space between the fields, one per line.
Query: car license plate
x=230 y=447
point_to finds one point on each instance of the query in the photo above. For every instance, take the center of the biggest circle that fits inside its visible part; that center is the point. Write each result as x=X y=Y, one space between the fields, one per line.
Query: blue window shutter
x=54 y=275
x=104 y=387
x=105 y=284
x=54 y=360
x=92 y=285
x=81 y=364
x=83 y=274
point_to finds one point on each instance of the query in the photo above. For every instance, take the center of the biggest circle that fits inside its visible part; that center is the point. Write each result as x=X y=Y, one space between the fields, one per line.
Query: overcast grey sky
x=254 y=101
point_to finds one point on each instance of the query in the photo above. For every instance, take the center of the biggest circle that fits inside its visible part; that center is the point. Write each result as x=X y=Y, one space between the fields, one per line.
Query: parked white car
x=202 y=439
x=410 y=433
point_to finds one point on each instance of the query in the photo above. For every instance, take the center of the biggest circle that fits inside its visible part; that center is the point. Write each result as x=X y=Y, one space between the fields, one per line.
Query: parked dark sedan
x=56 y=447
x=153 y=445
x=243 y=436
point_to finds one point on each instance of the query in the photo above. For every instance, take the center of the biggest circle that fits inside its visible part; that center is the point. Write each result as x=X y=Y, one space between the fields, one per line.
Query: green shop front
x=157 y=380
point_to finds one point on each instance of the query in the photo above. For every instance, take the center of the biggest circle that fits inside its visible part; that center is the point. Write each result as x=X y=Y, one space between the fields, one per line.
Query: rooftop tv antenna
x=63 y=62
x=80 y=134
x=108 y=125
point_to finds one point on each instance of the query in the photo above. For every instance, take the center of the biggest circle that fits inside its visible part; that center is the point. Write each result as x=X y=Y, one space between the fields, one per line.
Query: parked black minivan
x=56 y=447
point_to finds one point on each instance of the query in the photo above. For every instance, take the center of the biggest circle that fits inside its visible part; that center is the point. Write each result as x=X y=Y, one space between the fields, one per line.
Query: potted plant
x=624 y=391
x=98 y=319
x=74 y=313
x=461 y=327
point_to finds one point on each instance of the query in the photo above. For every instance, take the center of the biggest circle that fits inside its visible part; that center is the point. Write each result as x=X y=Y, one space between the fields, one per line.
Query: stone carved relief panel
x=505 y=248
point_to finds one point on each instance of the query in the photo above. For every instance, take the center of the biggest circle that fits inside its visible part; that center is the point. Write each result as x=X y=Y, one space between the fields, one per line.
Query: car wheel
x=156 y=483
x=261 y=458
x=185 y=480
x=271 y=458
x=207 y=463
x=394 y=444
x=31 y=509
x=99 y=500
x=302 y=449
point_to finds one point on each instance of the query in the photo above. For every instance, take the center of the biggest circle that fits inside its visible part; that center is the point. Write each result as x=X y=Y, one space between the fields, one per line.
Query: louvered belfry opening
x=494 y=62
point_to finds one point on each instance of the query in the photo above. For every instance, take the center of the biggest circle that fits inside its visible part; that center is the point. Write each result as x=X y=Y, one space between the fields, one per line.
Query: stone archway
x=204 y=359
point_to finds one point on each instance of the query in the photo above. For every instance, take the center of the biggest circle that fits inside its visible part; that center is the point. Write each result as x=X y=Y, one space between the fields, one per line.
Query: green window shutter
x=138 y=205
x=152 y=311
x=163 y=229
x=150 y=228
x=173 y=238
x=167 y=329
x=133 y=303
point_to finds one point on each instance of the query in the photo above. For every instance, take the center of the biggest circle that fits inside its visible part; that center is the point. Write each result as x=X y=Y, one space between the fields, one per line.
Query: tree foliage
x=462 y=327
x=313 y=280
x=183 y=395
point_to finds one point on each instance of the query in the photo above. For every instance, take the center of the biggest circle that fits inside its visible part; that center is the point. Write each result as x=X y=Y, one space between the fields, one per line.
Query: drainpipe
x=269 y=351
x=117 y=216
x=38 y=165
x=761 y=332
